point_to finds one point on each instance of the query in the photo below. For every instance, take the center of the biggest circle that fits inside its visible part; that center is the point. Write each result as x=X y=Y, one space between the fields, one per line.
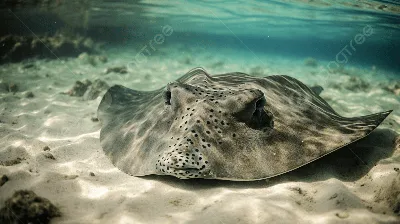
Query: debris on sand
x=49 y=156
x=342 y=215
x=79 y=88
x=357 y=84
x=393 y=87
x=390 y=195
x=95 y=89
x=29 y=94
x=311 y=62
x=28 y=66
x=87 y=89
x=9 y=87
x=257 y=71
x=26 y=207
x=11 y=162
x=92 y=59
x=3 y=180
x=217 y=64
x=102 y=58
x=86 y=58
x=352 y=83
x=118 y=69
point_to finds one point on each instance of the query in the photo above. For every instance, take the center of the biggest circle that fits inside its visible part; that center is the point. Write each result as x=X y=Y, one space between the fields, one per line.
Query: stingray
x=230 y=126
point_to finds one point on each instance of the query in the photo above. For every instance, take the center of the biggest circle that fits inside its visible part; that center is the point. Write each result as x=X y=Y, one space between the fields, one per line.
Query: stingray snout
x=183 y=163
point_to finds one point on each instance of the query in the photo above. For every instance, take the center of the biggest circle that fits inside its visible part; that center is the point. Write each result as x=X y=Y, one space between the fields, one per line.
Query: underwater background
x=59 y=57
x=292 y=29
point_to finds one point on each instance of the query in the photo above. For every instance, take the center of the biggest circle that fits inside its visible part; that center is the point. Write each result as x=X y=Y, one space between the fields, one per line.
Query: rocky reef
x=17 y=48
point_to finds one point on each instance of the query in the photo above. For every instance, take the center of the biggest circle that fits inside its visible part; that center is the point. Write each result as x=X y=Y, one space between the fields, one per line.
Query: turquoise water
x=319 y=29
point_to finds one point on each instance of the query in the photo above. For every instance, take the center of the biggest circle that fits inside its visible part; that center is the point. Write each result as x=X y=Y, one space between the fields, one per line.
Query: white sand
x=344 y=187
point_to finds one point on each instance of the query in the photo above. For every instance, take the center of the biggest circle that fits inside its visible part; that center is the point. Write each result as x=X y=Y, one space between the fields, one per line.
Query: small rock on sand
x=95 y=89
x=352 y=83
x=257 y=71
x=3 y=180
x=87 y=89
x=70 y=177
x=311 y=62
x=11 y=162
x=333 y=196
x=102 y=58
x=29 y=94
x=79 y=88
x=12 y=87
x=86 y=58
x=342 y=215
x=26 y=207
x=118 y=69
x=393 y=87
x=217 y=64
x=27 y=66
x=49 y=156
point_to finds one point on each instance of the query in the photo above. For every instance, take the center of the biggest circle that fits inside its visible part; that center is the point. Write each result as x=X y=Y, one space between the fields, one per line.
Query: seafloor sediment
x=49 y=143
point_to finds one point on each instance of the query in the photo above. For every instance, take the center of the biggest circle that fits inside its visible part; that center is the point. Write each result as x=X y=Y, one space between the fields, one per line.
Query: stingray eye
x=167 y=97
x=260 y=103
x=255 y=115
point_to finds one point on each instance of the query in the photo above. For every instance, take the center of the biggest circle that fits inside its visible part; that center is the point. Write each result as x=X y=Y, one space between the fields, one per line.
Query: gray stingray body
x=230 y=126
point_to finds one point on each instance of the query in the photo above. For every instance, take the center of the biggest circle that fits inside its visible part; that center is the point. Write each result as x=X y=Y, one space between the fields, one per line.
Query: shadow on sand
x=349 y=163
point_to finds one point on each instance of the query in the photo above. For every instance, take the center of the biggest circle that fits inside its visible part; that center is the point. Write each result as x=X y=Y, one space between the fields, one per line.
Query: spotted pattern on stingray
x=231 y=126
x=207 y=132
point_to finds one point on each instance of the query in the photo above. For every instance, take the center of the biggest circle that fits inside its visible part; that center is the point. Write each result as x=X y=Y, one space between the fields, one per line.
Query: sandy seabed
x=357 y=184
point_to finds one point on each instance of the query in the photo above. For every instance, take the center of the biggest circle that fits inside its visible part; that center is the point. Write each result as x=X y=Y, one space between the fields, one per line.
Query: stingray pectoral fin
x=119 y=99
x=368 y=122
x=344 y=131
x=296 y=149
x=350 y=130
x=120 y=96
x=124 y=114
x=306 y=127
